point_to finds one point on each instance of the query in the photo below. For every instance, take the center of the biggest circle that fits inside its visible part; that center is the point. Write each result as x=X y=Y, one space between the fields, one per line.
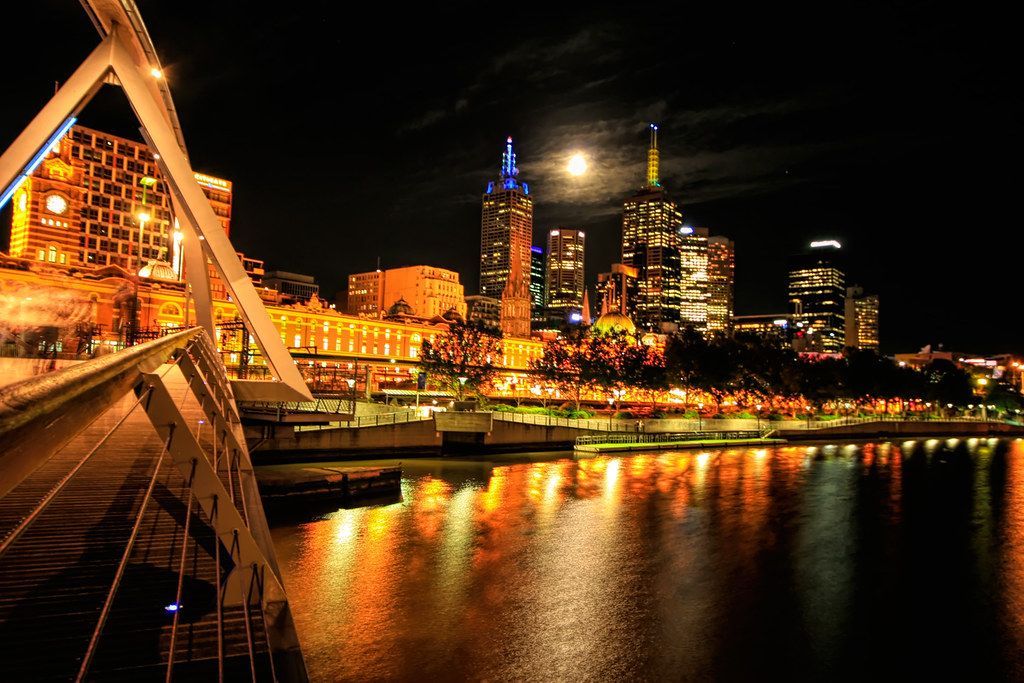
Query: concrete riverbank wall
x=280 y=443
x=284 y=442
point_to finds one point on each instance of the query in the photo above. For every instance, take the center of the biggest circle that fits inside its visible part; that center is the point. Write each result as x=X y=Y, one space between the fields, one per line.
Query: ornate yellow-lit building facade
x=36 y=296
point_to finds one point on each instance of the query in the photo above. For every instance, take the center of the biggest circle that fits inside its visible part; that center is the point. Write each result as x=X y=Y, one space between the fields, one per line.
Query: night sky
x=355 y=135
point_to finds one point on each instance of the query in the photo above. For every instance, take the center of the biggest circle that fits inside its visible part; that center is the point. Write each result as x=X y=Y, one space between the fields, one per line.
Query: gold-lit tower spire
x=652 y=159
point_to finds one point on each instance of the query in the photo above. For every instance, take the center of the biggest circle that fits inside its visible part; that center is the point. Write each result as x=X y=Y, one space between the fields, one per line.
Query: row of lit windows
x=52 y=254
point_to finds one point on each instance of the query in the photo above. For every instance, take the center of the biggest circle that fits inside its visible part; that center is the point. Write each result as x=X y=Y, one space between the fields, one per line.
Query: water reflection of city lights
x=565 y=566
x=551 y=490
x=347 y=525
x=611 y=473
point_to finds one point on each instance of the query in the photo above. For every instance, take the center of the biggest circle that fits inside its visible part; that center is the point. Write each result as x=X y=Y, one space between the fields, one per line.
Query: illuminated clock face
x=56 y=204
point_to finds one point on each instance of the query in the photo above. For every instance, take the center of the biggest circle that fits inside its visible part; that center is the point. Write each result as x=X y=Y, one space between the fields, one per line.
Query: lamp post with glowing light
x=462 y=386
x=146 y=182
x=352 y=388
x=982 y=383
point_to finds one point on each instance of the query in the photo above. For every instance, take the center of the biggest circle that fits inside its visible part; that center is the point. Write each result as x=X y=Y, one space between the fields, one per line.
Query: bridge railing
x=593 y=423
x=377 y=420
x=629 y=437
x=215 y=466
x=320 y=405
x=866 y=419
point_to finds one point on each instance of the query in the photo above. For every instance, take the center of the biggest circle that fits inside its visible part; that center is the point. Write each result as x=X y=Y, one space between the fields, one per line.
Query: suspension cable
x=59 y=486
x=181 y=573
x=123 y=564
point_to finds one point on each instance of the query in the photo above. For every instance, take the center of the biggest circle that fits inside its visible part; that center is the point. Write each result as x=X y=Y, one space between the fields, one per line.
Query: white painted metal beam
x=65 y=103
x=200 y=218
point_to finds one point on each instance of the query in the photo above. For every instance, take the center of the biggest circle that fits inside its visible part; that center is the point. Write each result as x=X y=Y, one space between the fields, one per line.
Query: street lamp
x=352 y=389
x=462 y=385
x=143 y=219
x=982 y=383
x=758 y=416
x=611 y=411
x=700 y=410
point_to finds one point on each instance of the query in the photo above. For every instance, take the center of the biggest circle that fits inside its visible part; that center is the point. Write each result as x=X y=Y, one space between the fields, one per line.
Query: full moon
x=577 y=164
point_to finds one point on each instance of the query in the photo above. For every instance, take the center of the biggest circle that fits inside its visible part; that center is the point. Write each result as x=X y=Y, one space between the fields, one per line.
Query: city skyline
x=854 y=172
x=209 y=470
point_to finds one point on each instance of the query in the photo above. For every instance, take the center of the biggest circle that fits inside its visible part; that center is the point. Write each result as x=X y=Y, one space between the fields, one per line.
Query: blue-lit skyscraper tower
x=506 y=226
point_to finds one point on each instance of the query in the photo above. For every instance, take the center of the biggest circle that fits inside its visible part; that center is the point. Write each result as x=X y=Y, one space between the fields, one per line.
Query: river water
x=843 y=561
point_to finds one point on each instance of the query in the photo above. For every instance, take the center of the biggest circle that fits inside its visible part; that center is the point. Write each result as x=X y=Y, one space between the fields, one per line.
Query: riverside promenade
x=404 y=433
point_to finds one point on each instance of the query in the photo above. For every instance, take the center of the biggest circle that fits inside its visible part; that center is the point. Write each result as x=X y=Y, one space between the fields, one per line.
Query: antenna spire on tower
x=508 y=161
x=652 y=159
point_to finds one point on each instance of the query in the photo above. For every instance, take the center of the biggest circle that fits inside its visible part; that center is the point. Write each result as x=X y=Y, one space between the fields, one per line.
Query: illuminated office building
x=293 y=286
x=563 y=278
x=861 y=319
x=721 y=278
x=506 y=227
x=430 y=291
x=817 y=295
x=693 y=278
x=537 y=276
x=99 y=199
x=536 y=284
x=775 y=327
x=650 y=243
x=484 y=311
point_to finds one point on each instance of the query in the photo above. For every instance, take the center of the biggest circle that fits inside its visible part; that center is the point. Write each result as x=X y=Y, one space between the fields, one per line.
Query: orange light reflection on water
x=545 y=566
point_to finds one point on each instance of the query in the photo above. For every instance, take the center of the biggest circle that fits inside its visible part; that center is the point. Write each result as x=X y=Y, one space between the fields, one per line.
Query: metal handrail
x=630 y=437
x=377 y=420
x=24 y=401
x=851 y=420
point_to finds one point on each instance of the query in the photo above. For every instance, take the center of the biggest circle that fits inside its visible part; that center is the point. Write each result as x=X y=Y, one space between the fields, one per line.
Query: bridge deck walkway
x=55 y=577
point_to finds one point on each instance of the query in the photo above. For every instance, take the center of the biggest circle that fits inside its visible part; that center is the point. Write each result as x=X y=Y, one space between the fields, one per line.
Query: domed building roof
x=158 y=270
x=400 y=308
x=613 y=321
x=452 y=315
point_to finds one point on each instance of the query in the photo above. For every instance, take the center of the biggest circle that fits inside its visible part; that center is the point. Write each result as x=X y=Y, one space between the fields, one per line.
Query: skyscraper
x=98 y=199
x=650 y=243
x=721 y=277
x=861 y=319
x=817 y=294
x=506 y=227
x=693 y=278
x=537 y=284
x=563 y=277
